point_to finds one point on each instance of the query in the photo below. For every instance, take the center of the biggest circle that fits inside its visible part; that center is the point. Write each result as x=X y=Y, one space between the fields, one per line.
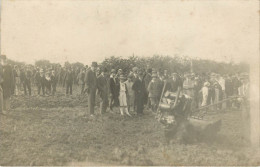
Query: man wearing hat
x=147 y=79
x=135 y=72
x=17 y=80
x=228 y=90
x=154 y=89
x=68 y=80
x=103 y=89
x=188 y=85
x=91 y=86
x=139 y=91
x=7 y=83
x=40 y=81
x=81 y=80
x=114 y=90
x=54 y=81
x=26 y=80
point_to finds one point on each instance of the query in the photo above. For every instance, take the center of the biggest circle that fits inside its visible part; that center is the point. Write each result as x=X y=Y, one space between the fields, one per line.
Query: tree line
x=179 y=64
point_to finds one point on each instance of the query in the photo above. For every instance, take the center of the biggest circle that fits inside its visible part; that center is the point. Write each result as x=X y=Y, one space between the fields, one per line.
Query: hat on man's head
x=113 y=71
x=135 y=69
x=207 y=84
x=94 y=64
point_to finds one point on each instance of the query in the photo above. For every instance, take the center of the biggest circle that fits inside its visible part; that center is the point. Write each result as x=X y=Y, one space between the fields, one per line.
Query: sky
x=86 y=30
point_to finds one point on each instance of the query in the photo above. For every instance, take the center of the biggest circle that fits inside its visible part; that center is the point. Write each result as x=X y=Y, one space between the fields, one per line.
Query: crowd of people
x=131 y=92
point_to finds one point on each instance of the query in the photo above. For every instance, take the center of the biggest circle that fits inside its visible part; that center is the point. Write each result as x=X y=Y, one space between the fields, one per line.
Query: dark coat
x=54 y=79
x=139 y=92
x=147 y=79
x=154 y=89
x=229 y=87
x=103 y=85
x=68 y=79
x=8 y=81
x=91 y=80
x=1 y=74
x=114 y=87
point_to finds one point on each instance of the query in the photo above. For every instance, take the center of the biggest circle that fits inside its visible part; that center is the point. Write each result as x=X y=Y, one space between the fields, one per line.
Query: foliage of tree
x=43 y=63
x=179 y=64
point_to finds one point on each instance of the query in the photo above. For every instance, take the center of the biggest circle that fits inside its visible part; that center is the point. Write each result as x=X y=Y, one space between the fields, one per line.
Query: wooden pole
x=231 y=98
x=164 y=84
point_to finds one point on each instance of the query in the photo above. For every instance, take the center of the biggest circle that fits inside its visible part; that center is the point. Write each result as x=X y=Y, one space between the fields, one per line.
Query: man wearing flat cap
x=91 y=86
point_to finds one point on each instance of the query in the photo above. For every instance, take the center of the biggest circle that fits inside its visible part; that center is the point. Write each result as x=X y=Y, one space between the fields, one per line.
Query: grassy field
x=58 y=131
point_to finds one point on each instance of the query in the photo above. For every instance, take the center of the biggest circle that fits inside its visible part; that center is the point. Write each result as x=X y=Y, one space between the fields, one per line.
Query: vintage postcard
x=129 y=83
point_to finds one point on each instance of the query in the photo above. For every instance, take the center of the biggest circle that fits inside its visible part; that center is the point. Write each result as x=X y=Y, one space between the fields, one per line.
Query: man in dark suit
x=91 y=86
x=103 y=89
x=139 y=92
x=114 y=90
x=7 y=84
x=40 y=81
x=229 y=88
x=54 y=81
x=68 y=79
x=26 y=77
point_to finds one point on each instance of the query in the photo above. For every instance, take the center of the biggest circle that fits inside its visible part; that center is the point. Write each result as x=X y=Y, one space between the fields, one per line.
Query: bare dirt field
x=58 y=131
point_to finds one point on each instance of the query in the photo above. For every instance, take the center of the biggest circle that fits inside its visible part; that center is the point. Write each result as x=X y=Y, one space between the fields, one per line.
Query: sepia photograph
x=129 y=83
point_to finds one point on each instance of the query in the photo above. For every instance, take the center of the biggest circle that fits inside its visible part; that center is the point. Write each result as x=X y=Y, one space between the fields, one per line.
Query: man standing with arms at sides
x=103 y=89
x=81 y=82
x=228 y=90
x=54 y=81
x=147 y=79
x=139 y=91
x=7 y=84
x=91 y=87
x=135 y=77
x=114 y=90
x=68 y=79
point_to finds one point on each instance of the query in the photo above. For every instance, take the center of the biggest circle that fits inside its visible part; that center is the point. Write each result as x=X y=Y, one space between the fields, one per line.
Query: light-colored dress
x=122 y=95
x=205 y=93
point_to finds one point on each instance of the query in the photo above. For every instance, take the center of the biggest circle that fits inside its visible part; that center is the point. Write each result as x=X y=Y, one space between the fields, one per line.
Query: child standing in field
x=154 y=91
x=123 y=96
